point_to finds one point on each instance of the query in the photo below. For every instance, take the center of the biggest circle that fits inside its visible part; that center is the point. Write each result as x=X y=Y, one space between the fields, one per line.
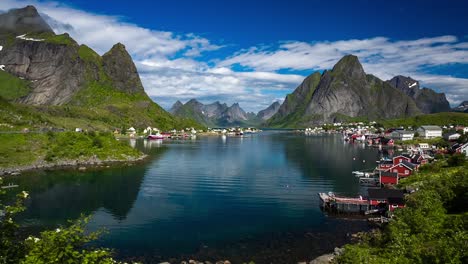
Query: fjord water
x=205 y=195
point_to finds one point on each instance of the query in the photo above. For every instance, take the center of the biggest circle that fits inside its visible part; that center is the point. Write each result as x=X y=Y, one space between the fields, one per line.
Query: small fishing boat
x=358 y=173
x=156 y=136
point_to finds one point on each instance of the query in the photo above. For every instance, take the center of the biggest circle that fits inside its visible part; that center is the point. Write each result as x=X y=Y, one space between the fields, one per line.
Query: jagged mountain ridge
x=60 y=72
x=344 y=92
x=427 y=100
x=268 y=112
x=215 y=114
x=462 y=107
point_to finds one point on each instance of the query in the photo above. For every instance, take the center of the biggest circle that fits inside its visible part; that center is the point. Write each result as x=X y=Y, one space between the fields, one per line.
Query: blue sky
x=255 y=52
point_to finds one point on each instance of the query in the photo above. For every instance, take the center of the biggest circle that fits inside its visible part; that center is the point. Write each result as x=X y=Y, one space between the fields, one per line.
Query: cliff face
x=345 y=91
x=427 y=100
x=119 y=66
x=269 y=111
x=55 y=71
x=58 y=71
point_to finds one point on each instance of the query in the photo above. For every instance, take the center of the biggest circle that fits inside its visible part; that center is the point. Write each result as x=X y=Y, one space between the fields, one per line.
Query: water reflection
x=208 y=191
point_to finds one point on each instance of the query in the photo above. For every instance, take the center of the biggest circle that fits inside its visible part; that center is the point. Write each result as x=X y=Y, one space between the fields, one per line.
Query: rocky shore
x=78 y=164
x=323 y=259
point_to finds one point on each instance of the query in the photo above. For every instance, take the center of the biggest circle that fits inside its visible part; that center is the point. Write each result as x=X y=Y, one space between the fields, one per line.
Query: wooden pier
x=337 y=204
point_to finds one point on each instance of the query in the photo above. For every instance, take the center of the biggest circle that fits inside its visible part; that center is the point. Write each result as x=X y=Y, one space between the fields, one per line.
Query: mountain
x=23 y=21
x=70 y=83
x=427 y=100
x=344 y=92
x=214 y=114
x=269 y=111
x=463 y=107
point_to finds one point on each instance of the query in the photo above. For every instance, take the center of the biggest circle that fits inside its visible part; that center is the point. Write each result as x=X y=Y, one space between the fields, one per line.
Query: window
x=395 y=170
x=406 y=171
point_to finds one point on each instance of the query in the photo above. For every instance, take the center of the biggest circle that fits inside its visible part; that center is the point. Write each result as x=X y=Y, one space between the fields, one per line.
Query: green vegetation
x=88 y=55
x=432 y=228
x=298 y=101
x=64 y=245
x=62 y=39
x=28 y=149
x=12 y=87
x=439 y=119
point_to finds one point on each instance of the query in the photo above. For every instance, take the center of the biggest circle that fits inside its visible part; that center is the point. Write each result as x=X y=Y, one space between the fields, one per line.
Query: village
x=415 y=148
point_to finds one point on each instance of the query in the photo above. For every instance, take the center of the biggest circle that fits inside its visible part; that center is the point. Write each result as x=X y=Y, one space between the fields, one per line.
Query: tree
x=62 y=245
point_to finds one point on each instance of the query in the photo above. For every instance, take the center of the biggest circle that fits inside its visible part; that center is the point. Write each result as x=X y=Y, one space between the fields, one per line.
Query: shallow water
x=234 y=197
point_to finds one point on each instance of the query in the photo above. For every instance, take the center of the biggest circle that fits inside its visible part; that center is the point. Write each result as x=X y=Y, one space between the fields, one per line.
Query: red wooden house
x=385 y=165
x=390 y=197
x=399 y=159
x=387 y=177
x=404 y=169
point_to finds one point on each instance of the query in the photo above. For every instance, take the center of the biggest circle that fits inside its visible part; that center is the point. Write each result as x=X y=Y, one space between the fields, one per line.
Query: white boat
x=358 y=173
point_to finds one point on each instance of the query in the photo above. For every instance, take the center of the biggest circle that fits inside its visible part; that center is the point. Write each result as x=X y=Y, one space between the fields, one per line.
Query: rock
x=338 y=251
x=82 y=168
x=427 y=100
x=344 y=91
x=164 y=263
x=269 y=111
x=227 y=262
x=192 y=261
x=324 y=259
x=15 y=173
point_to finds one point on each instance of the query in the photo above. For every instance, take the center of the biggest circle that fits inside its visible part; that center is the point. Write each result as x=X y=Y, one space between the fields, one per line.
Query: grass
x=62 y=39
x=21 y=149
x=438 y=119
x=12 y=87
x=27 y=149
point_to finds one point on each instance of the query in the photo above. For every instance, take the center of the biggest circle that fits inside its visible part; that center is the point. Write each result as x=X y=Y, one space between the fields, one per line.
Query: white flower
x=25 y=194
x=36 y=240
x=57 y=230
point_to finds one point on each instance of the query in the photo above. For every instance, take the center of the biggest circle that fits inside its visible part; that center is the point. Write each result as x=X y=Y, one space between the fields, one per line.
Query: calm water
x=213 y=196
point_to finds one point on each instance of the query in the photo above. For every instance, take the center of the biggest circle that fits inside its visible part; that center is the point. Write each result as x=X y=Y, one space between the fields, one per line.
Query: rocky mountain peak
x=426 y=99
x=402 y=82
x=349 y=66
x=22 y=21
x=118 y=64
x=176 y=106
x=269 y=111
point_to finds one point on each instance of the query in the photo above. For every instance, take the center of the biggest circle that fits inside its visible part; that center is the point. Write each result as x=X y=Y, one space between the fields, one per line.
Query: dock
x=337 y=204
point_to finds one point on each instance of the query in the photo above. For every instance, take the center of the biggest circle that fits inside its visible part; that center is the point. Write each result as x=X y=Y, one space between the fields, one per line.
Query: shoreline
x=66 y=164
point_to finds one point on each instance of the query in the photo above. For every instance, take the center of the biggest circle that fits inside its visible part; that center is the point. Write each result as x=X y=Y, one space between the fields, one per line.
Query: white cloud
x=172 y=66
x=380 y=56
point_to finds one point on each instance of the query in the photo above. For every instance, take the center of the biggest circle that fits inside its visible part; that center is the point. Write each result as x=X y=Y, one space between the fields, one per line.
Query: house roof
x=404 y=132
x=385 y=193
x=408 y=164
x=386 y=162
x=396 y=200
x=389 y=174
x=435 y=128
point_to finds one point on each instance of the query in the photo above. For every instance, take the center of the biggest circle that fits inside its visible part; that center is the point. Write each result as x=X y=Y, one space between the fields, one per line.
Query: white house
x=452 y=136
x=462 y=148
x=428 y=132
x=402 y=135
x=424 y=146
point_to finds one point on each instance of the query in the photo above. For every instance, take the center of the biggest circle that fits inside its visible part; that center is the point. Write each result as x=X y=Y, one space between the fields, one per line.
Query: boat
x=156 y=136
x=358 y=173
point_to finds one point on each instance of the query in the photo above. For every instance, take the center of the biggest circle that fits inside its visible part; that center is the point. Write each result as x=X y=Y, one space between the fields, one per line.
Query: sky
x=256 y=52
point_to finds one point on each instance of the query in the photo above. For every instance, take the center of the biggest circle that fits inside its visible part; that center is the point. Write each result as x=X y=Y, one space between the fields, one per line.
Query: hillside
x=427 y=100
x=70 y=84
x=344 y=92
